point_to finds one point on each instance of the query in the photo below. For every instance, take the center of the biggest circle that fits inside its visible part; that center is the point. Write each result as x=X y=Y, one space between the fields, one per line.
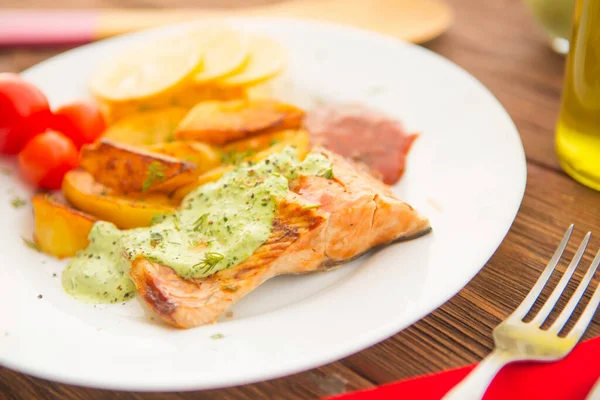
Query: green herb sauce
x=218 y=225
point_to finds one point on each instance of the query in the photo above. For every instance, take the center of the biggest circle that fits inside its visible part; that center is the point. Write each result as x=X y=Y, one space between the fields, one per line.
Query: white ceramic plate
x=466 y=172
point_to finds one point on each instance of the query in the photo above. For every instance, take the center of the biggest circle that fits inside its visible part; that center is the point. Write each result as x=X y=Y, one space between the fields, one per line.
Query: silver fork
x=516 y=340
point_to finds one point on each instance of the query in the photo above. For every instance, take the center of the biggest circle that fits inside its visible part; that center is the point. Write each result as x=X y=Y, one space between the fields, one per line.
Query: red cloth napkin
x=569 y=379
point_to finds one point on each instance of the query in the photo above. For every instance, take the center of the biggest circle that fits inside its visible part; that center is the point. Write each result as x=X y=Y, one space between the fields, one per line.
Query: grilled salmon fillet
x=356 y=213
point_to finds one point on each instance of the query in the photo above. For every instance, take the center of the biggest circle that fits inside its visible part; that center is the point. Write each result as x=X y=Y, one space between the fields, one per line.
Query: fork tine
x=590 y=309
x=562 y=284
x=524 y=307
x=581 y=288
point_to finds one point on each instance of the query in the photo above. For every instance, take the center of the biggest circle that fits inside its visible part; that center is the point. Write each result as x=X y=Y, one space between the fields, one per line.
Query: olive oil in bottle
x=578 y=130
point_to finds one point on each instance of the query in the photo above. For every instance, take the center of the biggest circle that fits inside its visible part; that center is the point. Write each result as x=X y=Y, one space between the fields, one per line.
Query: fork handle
x=473 y=387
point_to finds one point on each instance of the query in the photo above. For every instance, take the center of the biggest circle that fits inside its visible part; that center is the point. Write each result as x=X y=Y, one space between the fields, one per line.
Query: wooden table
x=498 y=42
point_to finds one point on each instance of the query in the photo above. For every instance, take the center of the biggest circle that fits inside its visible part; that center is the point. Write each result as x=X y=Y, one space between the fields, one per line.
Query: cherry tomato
x=81 y=121
x=47 y=158
x=24 y=112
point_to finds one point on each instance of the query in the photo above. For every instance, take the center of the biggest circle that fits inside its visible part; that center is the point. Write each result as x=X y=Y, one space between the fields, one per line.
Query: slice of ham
x=364 y=135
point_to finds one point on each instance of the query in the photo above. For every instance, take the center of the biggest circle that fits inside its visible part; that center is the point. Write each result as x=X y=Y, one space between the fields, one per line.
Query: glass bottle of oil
x=578 y=130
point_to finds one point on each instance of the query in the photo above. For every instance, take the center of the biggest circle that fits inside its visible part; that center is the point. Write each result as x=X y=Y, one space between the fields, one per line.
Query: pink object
x=18 y=28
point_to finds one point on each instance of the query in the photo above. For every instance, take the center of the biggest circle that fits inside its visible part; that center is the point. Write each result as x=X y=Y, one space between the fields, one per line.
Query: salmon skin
x=356 y=214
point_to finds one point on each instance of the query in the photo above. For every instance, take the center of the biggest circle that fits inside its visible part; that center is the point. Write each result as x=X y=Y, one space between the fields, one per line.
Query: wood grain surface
x=498 y=42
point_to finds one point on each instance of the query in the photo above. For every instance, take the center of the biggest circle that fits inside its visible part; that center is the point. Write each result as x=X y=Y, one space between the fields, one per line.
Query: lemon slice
x=225 y=51
x=267 y=58
x=142 y=72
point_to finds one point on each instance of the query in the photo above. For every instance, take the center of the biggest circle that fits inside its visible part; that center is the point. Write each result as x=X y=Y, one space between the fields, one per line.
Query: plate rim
x=383 y=332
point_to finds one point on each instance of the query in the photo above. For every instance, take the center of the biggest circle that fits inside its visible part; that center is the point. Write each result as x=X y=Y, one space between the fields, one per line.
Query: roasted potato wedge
x=204 y=156
x=254 y=149
x=187 y=97
x=59 y=230
x=275 y=140
x=81 y=190
x=221 y=122
x=128 y=169
x=146 y=127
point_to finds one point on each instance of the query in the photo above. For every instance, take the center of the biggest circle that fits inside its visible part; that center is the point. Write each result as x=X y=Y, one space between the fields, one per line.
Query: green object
x=218 y=225
x=99 y=274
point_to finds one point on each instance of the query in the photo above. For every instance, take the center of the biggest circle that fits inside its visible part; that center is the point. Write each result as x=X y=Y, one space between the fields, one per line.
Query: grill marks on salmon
x=356 y=214
x=188 y=303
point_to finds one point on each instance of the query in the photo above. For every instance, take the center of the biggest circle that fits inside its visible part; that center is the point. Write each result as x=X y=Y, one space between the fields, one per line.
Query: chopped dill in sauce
x=219 y=225
x=18 y=202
